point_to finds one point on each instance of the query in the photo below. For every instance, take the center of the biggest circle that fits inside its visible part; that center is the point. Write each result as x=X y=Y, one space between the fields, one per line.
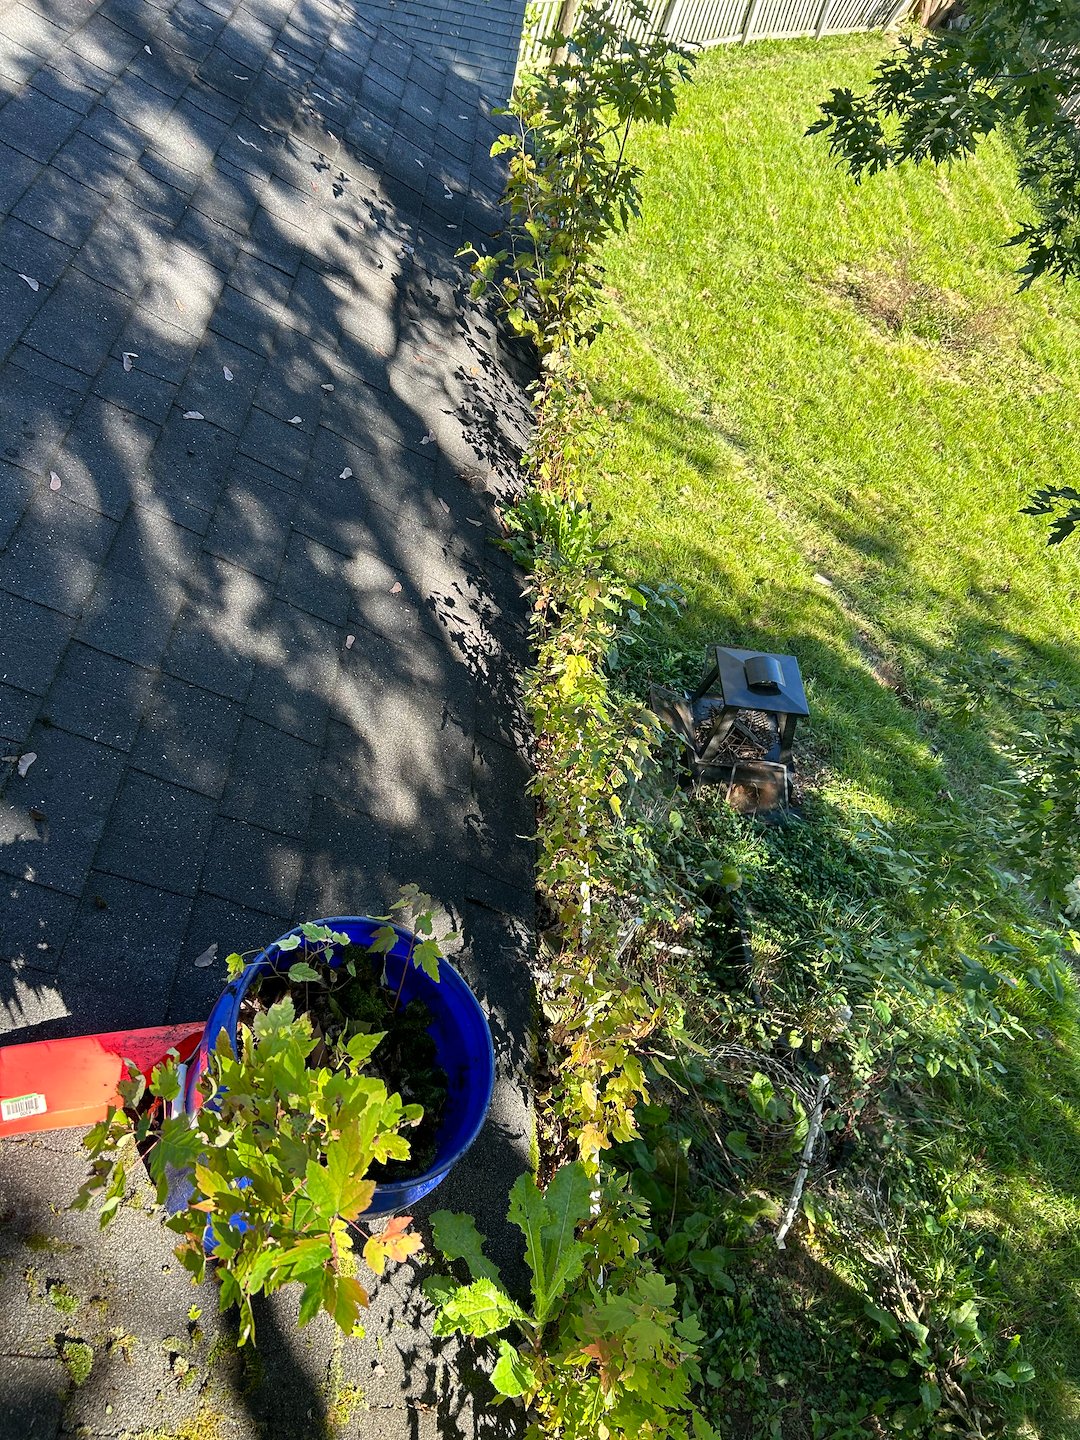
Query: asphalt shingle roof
x=252 y=434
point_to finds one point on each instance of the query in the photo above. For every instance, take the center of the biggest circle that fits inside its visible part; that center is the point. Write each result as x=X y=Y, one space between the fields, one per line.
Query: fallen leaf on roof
x=297 y=420
x=30 y=281
x=328 y=387
x=346 y=474
x=249 y=143
x=349 y=641
x=179 y=305
x=477 y=523
x=147 y=49
x=448 y=193
x=130 y=356
x=444 y=505
x=419 y=162
x=207 y=958
x=428 y=439
x=451 y=227
x=54 y=480
x=395 y=589
x=226 y=372
x=235 y=76
x=194 y=415
x=408 y=249
x=25 y=761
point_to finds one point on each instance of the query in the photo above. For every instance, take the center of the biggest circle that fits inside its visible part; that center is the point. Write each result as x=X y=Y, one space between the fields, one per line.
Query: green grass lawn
x=828 y=404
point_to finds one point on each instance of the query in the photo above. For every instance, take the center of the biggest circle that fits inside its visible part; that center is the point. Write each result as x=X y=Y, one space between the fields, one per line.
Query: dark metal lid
x=756 y=680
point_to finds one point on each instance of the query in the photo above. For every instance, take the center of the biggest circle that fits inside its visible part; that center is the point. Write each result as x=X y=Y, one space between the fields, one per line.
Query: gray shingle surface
x=253 y=658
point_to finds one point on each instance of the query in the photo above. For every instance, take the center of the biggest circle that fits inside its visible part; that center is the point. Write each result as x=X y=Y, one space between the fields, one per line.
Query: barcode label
x=22 y=1106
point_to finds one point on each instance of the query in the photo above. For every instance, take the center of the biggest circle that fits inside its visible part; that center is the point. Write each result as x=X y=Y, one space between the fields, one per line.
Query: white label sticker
x=22 y=1106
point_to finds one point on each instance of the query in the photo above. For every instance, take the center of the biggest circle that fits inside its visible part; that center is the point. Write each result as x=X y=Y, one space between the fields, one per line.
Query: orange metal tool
x=51 y=1084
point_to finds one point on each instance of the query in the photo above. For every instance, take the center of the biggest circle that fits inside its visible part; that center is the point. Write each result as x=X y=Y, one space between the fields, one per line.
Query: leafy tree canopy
x=1010 y=65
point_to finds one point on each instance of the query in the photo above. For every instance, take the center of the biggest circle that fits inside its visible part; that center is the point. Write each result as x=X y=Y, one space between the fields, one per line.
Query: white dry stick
x=804 y=1163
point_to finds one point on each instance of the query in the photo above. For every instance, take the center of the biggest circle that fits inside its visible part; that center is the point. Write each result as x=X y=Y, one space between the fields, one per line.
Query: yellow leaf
x=392 y=1244
x=591 y=1141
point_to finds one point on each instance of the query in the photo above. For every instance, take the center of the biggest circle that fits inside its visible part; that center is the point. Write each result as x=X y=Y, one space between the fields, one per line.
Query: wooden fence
x=722 y=22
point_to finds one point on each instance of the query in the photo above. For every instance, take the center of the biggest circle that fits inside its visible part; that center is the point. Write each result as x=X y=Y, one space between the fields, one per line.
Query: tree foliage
x=570 y=183
x=1008 y=65
x=1011 y=66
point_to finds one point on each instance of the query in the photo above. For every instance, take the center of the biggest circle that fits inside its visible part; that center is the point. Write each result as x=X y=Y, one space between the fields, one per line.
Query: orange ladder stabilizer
x=51 y=1084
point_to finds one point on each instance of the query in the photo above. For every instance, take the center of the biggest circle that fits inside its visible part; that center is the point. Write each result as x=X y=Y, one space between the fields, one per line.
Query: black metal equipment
x=738 y=725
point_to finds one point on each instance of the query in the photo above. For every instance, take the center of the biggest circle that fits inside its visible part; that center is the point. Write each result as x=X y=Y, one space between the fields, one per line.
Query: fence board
x=718 y=22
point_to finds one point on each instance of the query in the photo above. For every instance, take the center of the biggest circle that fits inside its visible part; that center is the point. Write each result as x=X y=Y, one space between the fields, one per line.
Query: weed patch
x=77 y=1357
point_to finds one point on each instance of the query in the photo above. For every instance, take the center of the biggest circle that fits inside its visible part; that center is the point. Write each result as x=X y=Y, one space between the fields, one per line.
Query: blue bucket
x=458 y=1027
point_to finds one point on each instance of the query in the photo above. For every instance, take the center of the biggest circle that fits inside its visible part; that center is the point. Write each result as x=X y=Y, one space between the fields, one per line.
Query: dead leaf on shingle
x=477 y=523
x=25 y=761
x=350 y=641
x=30 y=281
x=54 y=480
x=194 y=415
x=226 y=372
x=429 y=439
x=207 y=958
x=444 y=505
x=346 y=474
x=297 y=420
x=147 y=49
x=249 y=143
x=328 y=387
x=395 y=589
x=129 y=357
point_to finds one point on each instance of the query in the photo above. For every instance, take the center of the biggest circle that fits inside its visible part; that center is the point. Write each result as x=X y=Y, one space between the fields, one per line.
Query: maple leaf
x=392 y=1244
x=339 y=1187
x=602 y=1351
x=344 y=1298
